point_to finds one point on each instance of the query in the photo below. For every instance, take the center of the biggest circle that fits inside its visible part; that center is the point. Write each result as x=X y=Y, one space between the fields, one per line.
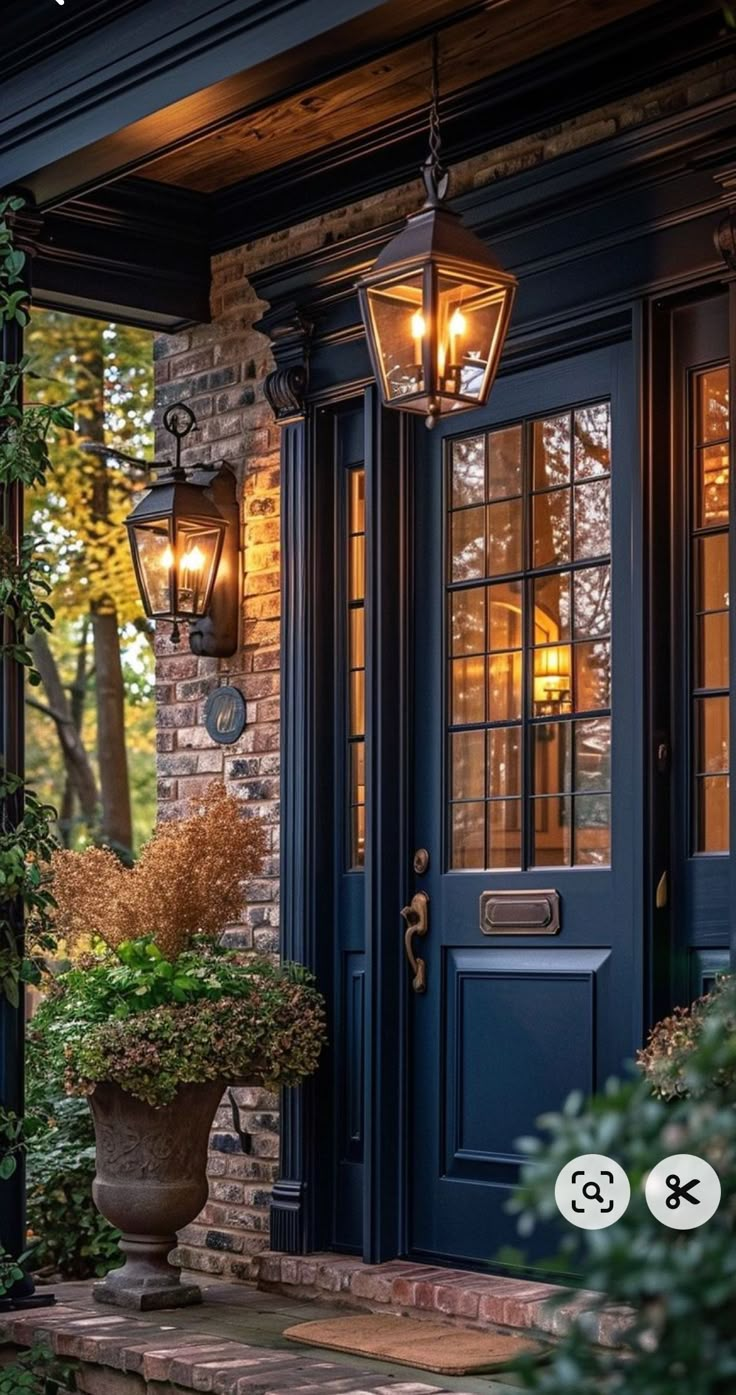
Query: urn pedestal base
x=146 y=1281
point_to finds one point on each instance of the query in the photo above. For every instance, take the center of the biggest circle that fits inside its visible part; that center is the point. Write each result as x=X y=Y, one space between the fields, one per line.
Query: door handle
x=416 y=915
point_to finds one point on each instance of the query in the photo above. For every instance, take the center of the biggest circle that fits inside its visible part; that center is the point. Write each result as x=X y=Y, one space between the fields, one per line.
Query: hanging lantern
x=436 y=306
x=176 y=536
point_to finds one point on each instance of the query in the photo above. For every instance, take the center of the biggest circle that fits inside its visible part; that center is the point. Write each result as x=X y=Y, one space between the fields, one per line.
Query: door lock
x=416 y=915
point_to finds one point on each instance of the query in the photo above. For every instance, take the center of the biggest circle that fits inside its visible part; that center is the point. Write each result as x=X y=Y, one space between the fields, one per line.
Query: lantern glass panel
x=399 y=331
x=156 y=561
x=197 y=555
x=469 y=318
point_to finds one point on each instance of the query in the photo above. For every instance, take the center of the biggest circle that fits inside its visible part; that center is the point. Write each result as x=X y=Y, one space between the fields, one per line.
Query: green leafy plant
x=37 y=1372
x=680 y=1285
x=26 y=843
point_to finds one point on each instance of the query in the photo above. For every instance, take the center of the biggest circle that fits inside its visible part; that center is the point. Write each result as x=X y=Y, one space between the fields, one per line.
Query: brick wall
x=220 y=370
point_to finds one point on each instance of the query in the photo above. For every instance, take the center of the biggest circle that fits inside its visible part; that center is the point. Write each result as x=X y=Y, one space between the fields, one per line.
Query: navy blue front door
x=527 y=767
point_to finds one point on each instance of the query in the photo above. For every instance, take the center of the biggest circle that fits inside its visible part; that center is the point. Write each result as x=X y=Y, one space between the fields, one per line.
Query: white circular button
x=683 y=1191
x=592 y=1191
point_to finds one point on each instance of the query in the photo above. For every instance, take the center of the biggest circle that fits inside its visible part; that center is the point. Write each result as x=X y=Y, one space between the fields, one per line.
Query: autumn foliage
x=189 y=880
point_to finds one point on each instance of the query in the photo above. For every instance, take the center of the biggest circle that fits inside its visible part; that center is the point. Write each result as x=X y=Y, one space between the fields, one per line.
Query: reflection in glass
x=592 y=676
x=552 y=831
x=592 y=829
x=712 y=485
x=504 y=761
x=551 y=451
x=468 y=836
x=504 y=615
x=713 y=647
x=468 y=691
x=711 y=724
x=592 y=601
x=504 y=463
x=468 y=544
x=552 y=607
x=713 y=814
x=468 y=471
x=592 y=519
x=504 y=687
x=711 y=558
x=504 y=537
x=552 y=527
x=504 y=833
x=468 y=764
x=469 y=621
x=712 y=405
x=592 y=431
x=593 y=754
x=553 y=758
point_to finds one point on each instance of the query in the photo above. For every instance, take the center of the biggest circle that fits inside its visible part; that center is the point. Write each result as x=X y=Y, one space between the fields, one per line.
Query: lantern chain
x=436 y=177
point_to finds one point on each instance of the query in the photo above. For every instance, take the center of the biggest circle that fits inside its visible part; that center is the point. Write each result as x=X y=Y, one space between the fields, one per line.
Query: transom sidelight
x=709 y=602
x=355 y=521
x=528 y=584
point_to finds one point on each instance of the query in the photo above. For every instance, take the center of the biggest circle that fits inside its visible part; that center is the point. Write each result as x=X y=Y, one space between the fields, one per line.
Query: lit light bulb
x=458 y=323
x=418 y=326
x=167 y=558
x=194 y=559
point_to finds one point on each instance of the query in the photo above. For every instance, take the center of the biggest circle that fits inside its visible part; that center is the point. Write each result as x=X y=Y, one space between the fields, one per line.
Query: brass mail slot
x=520 y=912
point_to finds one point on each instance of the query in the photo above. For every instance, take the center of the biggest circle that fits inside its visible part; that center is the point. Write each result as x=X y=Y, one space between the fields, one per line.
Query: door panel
x=527 y=676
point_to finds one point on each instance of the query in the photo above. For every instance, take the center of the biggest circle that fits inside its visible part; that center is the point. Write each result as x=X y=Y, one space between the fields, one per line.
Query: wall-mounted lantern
x=184 y=537
x=436 y=306
x=552 y=680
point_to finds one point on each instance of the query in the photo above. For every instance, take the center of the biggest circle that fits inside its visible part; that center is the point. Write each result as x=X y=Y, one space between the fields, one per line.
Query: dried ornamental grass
x=189 y=880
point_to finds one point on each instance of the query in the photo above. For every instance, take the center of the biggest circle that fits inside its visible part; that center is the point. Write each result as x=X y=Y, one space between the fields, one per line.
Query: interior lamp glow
x=436 y=305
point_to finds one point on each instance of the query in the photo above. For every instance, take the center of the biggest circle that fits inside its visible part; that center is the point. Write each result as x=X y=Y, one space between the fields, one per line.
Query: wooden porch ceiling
x=211 y=147
x=349 y=82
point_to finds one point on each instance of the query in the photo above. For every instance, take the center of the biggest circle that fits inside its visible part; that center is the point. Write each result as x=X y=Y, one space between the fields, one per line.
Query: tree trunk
x=117 y=823
x=76 y=761
x=77 y=699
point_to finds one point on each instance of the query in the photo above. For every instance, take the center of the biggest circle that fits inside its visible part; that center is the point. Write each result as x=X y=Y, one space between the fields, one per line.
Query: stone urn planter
x=151 y=1181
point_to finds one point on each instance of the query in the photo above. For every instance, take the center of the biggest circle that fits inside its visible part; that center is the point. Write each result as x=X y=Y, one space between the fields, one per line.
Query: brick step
x=458 y=1296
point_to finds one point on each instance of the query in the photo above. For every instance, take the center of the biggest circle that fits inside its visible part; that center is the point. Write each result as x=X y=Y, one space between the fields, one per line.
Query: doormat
x=410 y=1342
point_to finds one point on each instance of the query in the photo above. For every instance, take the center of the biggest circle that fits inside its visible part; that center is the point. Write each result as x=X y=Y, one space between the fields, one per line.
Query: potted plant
x=157 y=1016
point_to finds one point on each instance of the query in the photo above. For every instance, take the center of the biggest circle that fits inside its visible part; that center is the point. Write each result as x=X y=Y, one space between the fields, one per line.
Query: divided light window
x=529 y=650
x=709 y=601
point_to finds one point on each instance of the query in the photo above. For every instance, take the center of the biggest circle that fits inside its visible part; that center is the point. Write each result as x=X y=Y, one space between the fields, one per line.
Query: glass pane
x=713 y=424
x=552 y=831
x=399 y=331
x=468 y=544
x=592 y=830
x=552 y=527
x=357 y=772
x=504 y=537
x=592 y=519
x=504 y=833
x=356 y=625
x=504 y=615
x=198 y=549
x=469 y=621
x=504 y=687
x=504 y=761
x=357 y=835
x=592 y=440
x=553 y=758
x=468 y=471
x=356 y=725
x=504 y=463
x=711 y=726
x=712 y=814
x=156 y=559
x=592 y=676
x=551 y=451
x=712 y=485
x=593 y=754
x=592 y=601
x=552 y=608
x=552 y=680
x=467 y=835
x=468 y=764
x=468 y=314
x=711 y=560
x=468 y=691
x=357 y=501
x=713 y=647
x=356 y=555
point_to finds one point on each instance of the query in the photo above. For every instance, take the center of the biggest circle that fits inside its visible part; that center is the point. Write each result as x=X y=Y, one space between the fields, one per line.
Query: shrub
x=681 y=1284
x=667 y=1058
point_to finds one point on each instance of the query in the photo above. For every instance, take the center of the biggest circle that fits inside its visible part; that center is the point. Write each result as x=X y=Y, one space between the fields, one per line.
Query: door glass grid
x=355 y=514
x=529 y=684
x=709 y=611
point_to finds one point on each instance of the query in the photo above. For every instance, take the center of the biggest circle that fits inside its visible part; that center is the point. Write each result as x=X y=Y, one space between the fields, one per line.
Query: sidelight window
x=355 y=514
x=529 y=643
x=709 y=604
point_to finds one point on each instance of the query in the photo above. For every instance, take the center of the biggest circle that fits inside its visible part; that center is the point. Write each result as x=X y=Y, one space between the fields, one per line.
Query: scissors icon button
x=683 y=1178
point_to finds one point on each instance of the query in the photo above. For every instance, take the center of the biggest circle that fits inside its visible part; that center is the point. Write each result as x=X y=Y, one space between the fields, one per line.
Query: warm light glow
x=458 y=323
x=193 y=560
x=418 y=327
x=167 y=558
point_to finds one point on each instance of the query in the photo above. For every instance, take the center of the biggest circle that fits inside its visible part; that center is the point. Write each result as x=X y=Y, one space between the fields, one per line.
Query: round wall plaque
x=224 y=715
